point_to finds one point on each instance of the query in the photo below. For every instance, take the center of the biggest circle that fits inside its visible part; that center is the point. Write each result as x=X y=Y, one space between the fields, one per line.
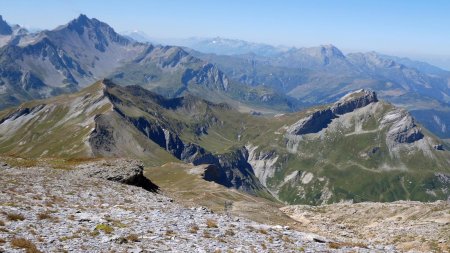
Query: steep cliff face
x=235 y=171
x=353 y=101
x=263 y=163
x=320 y=119
x=313 y=123
x=111 y=133
x=403 y=129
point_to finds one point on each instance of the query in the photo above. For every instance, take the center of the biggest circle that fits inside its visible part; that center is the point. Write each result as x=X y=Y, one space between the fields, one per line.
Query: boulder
x=124 y=171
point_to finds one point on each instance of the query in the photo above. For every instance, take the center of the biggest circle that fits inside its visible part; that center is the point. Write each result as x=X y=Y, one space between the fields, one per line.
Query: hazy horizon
x=411 y=29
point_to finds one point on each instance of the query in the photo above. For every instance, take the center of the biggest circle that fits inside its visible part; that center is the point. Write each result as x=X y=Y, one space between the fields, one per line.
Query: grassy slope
x=56 y=133
x=192 y=190
x=43 y=135
x=337 y=157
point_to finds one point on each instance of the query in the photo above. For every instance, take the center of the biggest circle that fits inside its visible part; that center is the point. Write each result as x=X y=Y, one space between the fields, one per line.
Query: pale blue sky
x=419 y=29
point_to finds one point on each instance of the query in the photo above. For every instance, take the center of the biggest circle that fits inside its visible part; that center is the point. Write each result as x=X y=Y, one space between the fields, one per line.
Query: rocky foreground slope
x=411 y=226
x=67 y=210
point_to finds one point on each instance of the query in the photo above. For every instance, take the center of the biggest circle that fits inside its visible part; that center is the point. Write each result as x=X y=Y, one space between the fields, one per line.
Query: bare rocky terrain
x=409 y=225
x=58 y=208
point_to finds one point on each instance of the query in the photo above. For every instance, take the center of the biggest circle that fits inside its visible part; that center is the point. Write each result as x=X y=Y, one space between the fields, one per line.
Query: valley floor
x=55 y=210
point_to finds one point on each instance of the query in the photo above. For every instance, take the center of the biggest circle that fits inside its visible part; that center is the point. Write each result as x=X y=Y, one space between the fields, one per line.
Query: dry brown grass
x=2 y=223
x=170 y=232
x=133 y=238
x=2 y=241
x=206 y=234
x=222 y=240
x=194 y=229
x=229 y=232
x=263 y=245
x=44 y=216
x=339 y=245
x=286 y=239
x=15 y=217
x=211 y=223
x=263 y=231
x=23 y=243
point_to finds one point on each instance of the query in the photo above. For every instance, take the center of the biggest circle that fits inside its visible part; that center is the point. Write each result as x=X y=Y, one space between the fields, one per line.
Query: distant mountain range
x=250 y=76
x=322 y=74
x=66 y=59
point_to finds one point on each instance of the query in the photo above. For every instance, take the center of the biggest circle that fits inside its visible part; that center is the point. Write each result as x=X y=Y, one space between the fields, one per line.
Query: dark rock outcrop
x=123 y=171
x=22 y=111
x=313 y=123
x=321 y=118
x=233 y=170
x=102 y=138
x=404 y=129
x=438 y=147
x=354 y=101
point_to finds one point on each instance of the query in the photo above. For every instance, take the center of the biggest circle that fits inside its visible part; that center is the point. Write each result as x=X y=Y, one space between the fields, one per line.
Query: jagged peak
x=82 y=21
x=5 y=28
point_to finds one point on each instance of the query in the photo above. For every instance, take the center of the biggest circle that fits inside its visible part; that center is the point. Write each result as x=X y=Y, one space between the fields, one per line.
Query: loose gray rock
x=91 y=214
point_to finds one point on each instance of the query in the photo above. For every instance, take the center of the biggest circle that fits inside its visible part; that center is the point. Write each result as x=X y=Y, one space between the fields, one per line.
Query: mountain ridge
x=77 y=54
x=260 y=155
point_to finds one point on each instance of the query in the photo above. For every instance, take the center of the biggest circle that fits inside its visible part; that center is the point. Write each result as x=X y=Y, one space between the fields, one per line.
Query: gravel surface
x=53 y=210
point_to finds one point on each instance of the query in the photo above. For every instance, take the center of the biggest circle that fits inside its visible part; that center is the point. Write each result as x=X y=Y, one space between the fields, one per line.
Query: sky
x=417 y=29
